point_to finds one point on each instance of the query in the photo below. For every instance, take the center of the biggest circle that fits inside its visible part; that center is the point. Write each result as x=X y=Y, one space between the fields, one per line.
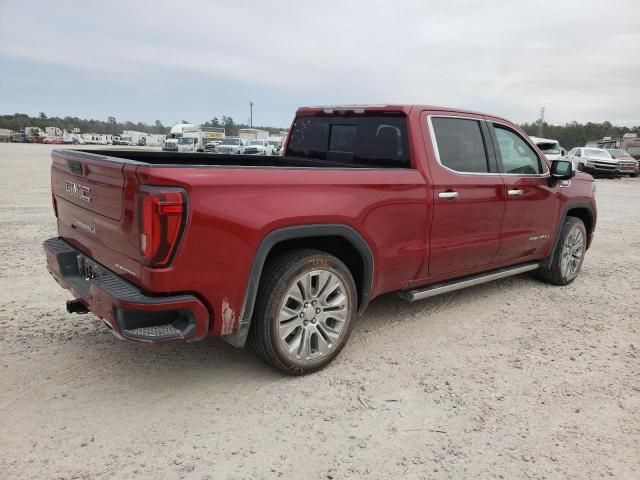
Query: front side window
x=517 y=156
x=460 y=144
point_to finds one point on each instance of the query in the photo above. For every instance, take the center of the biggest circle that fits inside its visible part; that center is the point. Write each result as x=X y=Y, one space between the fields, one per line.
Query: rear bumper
x=127 y=311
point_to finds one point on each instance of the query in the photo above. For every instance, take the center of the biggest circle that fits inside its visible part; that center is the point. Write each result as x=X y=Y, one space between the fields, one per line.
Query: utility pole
x=540 y=122
x=251 y=114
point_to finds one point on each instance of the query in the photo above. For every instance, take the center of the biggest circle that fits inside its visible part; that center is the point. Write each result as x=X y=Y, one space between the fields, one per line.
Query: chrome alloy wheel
x=313 y=315
x=572 y=253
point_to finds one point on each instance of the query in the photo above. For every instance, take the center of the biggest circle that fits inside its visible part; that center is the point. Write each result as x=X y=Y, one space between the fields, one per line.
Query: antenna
x=540 y=122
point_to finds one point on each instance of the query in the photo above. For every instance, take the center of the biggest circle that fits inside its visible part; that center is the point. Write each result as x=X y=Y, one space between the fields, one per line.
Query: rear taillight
x=162 y=213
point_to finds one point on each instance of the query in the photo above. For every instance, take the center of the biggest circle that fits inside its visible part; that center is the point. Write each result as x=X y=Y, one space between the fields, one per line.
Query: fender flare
x=565 y=210
x=274 y=237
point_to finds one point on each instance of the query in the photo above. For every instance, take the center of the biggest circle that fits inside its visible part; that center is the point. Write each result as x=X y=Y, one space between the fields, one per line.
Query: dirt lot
x=515 y=379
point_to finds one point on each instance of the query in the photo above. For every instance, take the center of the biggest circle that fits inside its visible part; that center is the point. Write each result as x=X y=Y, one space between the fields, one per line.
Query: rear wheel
x=305 y=311
x=568 y=255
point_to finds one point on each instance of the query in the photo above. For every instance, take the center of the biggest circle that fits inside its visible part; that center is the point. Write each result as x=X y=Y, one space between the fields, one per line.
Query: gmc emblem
x=78 y=191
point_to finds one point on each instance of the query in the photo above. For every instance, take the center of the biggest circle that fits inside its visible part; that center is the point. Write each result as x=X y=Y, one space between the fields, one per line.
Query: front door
x=528 y=228
x=468 y=195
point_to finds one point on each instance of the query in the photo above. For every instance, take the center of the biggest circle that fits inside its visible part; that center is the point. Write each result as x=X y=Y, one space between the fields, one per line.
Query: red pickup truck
x=285 y=251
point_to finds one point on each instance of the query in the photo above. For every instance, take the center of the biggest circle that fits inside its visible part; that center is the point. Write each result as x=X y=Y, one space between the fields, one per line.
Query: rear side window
x=460 y=144
x=378 y=141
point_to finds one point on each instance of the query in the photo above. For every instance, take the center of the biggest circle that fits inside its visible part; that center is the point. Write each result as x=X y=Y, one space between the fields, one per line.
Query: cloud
x=578 y=59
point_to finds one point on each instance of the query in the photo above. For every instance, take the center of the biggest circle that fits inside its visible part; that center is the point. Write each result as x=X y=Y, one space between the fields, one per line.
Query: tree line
x=19 y=121
x=576 y=134
x=569 y=135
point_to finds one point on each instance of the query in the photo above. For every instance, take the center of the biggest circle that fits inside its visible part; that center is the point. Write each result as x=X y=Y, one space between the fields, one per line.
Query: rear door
x=468 y=194
x=531 y=204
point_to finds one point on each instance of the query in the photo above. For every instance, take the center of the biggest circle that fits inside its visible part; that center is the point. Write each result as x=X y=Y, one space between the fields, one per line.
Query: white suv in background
x=258 y=147
x=229 y=145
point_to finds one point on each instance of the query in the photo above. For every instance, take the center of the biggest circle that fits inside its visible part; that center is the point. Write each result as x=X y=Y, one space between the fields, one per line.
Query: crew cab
x=285 y=251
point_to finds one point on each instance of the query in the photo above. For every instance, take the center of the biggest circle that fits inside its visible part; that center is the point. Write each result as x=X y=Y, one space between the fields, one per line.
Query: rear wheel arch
x=341 y=241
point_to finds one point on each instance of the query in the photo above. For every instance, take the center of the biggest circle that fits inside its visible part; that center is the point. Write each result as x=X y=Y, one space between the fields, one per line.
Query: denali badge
x=77 y=190
x=84 y=226
x=544 y=236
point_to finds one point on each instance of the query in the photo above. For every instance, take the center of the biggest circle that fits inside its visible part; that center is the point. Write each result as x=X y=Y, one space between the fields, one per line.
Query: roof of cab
x=405 y=109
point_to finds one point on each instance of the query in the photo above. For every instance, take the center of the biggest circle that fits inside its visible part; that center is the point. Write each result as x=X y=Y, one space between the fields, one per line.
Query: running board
x=446 y=287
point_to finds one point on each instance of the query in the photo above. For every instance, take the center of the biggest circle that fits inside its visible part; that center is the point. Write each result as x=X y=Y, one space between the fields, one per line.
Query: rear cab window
x=366 y=140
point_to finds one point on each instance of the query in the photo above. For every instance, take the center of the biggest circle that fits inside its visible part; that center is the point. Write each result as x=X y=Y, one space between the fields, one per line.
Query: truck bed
x=223 y=160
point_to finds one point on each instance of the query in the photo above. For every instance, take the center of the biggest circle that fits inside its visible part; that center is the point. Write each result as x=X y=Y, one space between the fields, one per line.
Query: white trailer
x=203 y=136
x=53 y=132
x=247 y=134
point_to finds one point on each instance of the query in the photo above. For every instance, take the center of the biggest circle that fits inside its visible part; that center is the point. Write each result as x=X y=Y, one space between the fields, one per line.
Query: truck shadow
x=168 y=366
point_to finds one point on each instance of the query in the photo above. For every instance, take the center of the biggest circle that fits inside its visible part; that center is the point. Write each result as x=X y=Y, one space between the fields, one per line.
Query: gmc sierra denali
x=284 y=252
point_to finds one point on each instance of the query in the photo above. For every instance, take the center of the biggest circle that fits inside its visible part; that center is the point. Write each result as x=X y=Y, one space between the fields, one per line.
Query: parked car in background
x=53 y=140
x=258 y=147
x=188 y=144
x=623 y=156
x=593 y=160
x=276 y=147
x=551 y=148
x=230 y=145
x=211 y=146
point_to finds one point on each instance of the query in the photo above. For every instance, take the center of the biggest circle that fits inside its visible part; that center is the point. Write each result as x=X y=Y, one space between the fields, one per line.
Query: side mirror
x=561 y=170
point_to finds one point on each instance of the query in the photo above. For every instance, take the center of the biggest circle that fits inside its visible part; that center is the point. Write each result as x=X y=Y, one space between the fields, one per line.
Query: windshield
x=274 y=143
x=633 y=151
x=549 y=148
x=230 y=141
x=256 y=142
x=185 y=141
x=595 y=153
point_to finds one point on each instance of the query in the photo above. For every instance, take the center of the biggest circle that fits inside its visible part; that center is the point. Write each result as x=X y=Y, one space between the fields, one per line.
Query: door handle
x=448 y=195
x=515 y=193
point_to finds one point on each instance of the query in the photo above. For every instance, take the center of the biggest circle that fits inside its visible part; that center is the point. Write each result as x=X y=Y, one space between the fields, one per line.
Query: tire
x=305 y=311
x=568 y=254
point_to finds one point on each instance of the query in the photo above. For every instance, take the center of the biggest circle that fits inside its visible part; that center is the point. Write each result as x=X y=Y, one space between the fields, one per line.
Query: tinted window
x=460 y=144
x=343 y=138
x=517 y=156
x=368 y=140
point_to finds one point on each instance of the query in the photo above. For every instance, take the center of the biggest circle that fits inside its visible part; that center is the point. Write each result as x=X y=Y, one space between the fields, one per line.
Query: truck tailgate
x=94 y=197
x=91 y=184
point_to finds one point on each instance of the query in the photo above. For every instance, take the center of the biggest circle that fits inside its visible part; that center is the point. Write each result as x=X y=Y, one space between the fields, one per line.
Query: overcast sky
x=146 y=60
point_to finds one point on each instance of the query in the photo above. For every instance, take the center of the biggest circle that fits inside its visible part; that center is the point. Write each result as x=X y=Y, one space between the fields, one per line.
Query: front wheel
x=305 y=311
x=568 y=255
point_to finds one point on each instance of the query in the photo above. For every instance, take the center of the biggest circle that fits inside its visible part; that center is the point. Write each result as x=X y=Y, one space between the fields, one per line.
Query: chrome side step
x=446 y=287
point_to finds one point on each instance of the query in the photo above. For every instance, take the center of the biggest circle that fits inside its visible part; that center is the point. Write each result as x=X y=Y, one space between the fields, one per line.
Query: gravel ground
x=515 y=379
